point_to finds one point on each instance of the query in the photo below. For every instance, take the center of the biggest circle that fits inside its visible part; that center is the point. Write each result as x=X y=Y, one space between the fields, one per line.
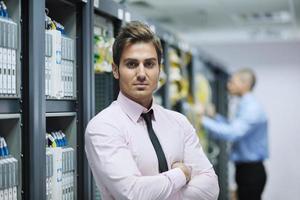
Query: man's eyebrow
x=130 y=59
x=150 y=59
x=136 y=60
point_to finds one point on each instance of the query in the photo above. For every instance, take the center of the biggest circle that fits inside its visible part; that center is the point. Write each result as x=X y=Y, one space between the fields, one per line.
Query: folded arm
x=204 y=182
x=113 y=165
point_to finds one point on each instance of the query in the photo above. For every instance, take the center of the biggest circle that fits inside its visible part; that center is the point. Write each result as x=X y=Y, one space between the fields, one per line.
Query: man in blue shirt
x=248 y=134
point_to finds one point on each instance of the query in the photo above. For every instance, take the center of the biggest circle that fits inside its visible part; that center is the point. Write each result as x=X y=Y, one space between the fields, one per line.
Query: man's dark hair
x=135 y=32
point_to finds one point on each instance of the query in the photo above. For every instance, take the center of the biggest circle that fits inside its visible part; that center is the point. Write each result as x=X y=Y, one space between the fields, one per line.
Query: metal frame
x=192 y=72
x=10 y=105
x=110 y=8
x=60 y=106
x=85 y=94
x=166 y=87
x=33 y=74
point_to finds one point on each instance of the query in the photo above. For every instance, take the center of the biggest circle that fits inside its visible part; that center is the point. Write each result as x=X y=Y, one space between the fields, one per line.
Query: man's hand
x=210 y=110
x=185 y=169
x=200 y=111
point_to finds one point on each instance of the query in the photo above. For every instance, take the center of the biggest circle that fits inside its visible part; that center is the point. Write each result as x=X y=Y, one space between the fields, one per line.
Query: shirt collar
x=247 y=96
x=132 y=108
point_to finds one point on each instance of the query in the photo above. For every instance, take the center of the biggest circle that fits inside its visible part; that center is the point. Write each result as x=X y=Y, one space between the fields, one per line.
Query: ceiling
x=208 y=24
x=223 y=20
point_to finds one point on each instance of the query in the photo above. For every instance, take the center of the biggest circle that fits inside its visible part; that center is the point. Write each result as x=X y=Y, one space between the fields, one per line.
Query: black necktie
x=162 y=162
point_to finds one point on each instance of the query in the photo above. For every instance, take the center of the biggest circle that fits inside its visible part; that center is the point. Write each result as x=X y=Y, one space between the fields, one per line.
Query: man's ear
x=115 y=71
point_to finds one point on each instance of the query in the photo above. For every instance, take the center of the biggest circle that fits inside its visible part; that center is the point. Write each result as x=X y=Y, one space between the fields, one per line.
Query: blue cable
x=64 y=140
x=4 y=9
x=5 y=148
x=1 y=147
x=1 y=10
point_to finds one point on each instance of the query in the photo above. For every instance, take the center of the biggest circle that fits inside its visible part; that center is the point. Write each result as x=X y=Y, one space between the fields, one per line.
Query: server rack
x=223 y=158
x=61 y=94
x=10 y=98
x=180 y=82
x=43 y=112
x=220 y=100
x=210 y=87
x=104 y=81
x=161 y=94
x=168 y=41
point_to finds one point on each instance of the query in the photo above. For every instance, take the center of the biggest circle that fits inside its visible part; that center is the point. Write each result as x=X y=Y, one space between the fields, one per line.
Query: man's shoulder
x=171 y=114
x=108 y=115
x=253 y=109
x=251 y=100
x=106 y=123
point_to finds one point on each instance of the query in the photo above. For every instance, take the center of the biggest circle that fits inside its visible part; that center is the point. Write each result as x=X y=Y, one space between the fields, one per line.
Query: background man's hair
x=248 y=75
x=135 y=32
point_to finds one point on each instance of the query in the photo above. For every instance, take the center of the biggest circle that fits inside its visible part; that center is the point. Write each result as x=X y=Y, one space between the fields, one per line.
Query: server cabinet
x=52 y=103
x=161 y=95
x=10 y=98
x=223 y=158
x=61 y=97
x=220 y=149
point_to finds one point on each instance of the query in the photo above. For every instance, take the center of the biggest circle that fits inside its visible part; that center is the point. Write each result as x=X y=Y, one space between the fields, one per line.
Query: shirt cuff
x=205 y=121
x=177 y=178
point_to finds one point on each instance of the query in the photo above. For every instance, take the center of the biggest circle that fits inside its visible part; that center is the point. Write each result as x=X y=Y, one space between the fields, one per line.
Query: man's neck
x=146 y=103
x=243 y=93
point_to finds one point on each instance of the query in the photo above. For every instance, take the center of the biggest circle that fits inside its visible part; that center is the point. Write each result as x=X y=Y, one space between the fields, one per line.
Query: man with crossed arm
x=137 y=149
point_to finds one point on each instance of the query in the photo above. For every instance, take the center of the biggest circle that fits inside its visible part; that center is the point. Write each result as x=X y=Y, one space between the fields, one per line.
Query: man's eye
x=149 y=64
x=132 y=64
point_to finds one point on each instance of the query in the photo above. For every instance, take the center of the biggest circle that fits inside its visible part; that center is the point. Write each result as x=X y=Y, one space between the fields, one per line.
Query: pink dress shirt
x=124 y=163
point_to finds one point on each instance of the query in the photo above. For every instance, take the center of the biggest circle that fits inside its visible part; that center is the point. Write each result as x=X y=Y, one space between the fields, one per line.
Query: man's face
x=138 y=72
x=235 y=85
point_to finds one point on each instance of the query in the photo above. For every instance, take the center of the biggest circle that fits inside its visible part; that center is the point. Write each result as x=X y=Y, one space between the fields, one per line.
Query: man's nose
x=141 y=73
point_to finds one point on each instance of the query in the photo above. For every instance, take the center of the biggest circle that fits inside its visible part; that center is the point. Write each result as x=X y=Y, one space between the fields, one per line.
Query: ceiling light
x=263 y=17
x=140 y=3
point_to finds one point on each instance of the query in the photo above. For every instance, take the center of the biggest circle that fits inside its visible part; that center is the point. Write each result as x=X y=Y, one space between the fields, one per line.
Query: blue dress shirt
x=247 y=131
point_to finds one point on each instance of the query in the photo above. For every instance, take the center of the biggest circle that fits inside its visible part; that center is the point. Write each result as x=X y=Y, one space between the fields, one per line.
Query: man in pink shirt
x=137 y=149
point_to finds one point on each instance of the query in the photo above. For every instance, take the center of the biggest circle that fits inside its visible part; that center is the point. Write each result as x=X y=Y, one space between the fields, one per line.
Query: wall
x=278 y=69
x=278 y=90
